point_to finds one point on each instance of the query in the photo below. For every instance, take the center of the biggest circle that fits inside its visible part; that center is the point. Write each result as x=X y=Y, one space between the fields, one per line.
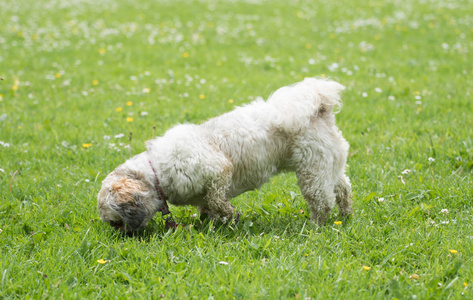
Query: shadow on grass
x=252 y=224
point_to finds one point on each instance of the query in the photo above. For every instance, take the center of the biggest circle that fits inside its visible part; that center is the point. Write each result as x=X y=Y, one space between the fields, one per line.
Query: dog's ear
x=127 y=201
x=135 y=175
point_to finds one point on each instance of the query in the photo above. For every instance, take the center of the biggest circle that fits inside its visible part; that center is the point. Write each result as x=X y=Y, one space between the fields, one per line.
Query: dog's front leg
x=217 y=204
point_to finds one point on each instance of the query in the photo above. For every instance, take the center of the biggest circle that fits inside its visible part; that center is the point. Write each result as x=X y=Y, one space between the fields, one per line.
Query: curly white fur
x=206 y=165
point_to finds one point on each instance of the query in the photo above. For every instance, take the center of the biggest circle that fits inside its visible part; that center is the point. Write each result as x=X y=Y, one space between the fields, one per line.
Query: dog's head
x=126 y=201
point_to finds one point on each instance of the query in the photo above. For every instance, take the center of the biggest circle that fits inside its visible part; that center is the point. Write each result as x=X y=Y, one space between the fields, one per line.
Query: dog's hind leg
x=343 y=195
x=318 y=191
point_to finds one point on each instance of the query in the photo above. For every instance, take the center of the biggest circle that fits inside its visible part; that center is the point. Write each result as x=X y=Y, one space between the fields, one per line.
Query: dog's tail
x=299 y=103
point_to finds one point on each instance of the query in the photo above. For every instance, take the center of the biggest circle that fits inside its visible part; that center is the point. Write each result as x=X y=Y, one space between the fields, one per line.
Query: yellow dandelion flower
x=453 y=251
x=202 y=96
x=230 y=101
x=1 y=97
x=19 y=127
x=465 y=284
x=414 y=276
x=218 y=63
x=87 y=145
x=185 y=55
x=118 y=109
x=95 y=82
x=323 y=76
x=102 y=51
x=338 y=222
x=58 y=75
x=14 y=87
x=102 y=261
x=129 y=119
x=366 y=268
x=308 y=46
x=129 y=103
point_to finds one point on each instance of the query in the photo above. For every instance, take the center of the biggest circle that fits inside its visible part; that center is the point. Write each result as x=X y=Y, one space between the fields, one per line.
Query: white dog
x=207 y=165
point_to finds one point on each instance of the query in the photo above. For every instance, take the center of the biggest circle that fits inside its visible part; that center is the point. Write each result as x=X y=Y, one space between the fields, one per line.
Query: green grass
x=66 y=67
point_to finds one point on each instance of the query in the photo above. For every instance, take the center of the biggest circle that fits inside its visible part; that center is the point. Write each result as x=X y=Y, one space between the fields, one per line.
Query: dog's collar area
x=165 y=208
x=169 y=220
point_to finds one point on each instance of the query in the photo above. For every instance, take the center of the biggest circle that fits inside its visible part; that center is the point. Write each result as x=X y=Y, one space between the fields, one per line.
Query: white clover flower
x=380 y=199
x=106 y=137
x=431 y=159
x=222 y=263
x=406 y=171
x=333 y=67
x=119 y=136
x=144 y=113
x=364 y=94
x=378 y=90
x=444 y=211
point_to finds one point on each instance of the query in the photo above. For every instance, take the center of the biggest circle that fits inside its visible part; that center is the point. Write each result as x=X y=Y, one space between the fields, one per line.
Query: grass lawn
x=77 y=76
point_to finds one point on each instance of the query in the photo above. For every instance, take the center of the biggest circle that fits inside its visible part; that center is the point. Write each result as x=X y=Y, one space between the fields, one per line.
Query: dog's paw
x=204 y=217
x=236 y=217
